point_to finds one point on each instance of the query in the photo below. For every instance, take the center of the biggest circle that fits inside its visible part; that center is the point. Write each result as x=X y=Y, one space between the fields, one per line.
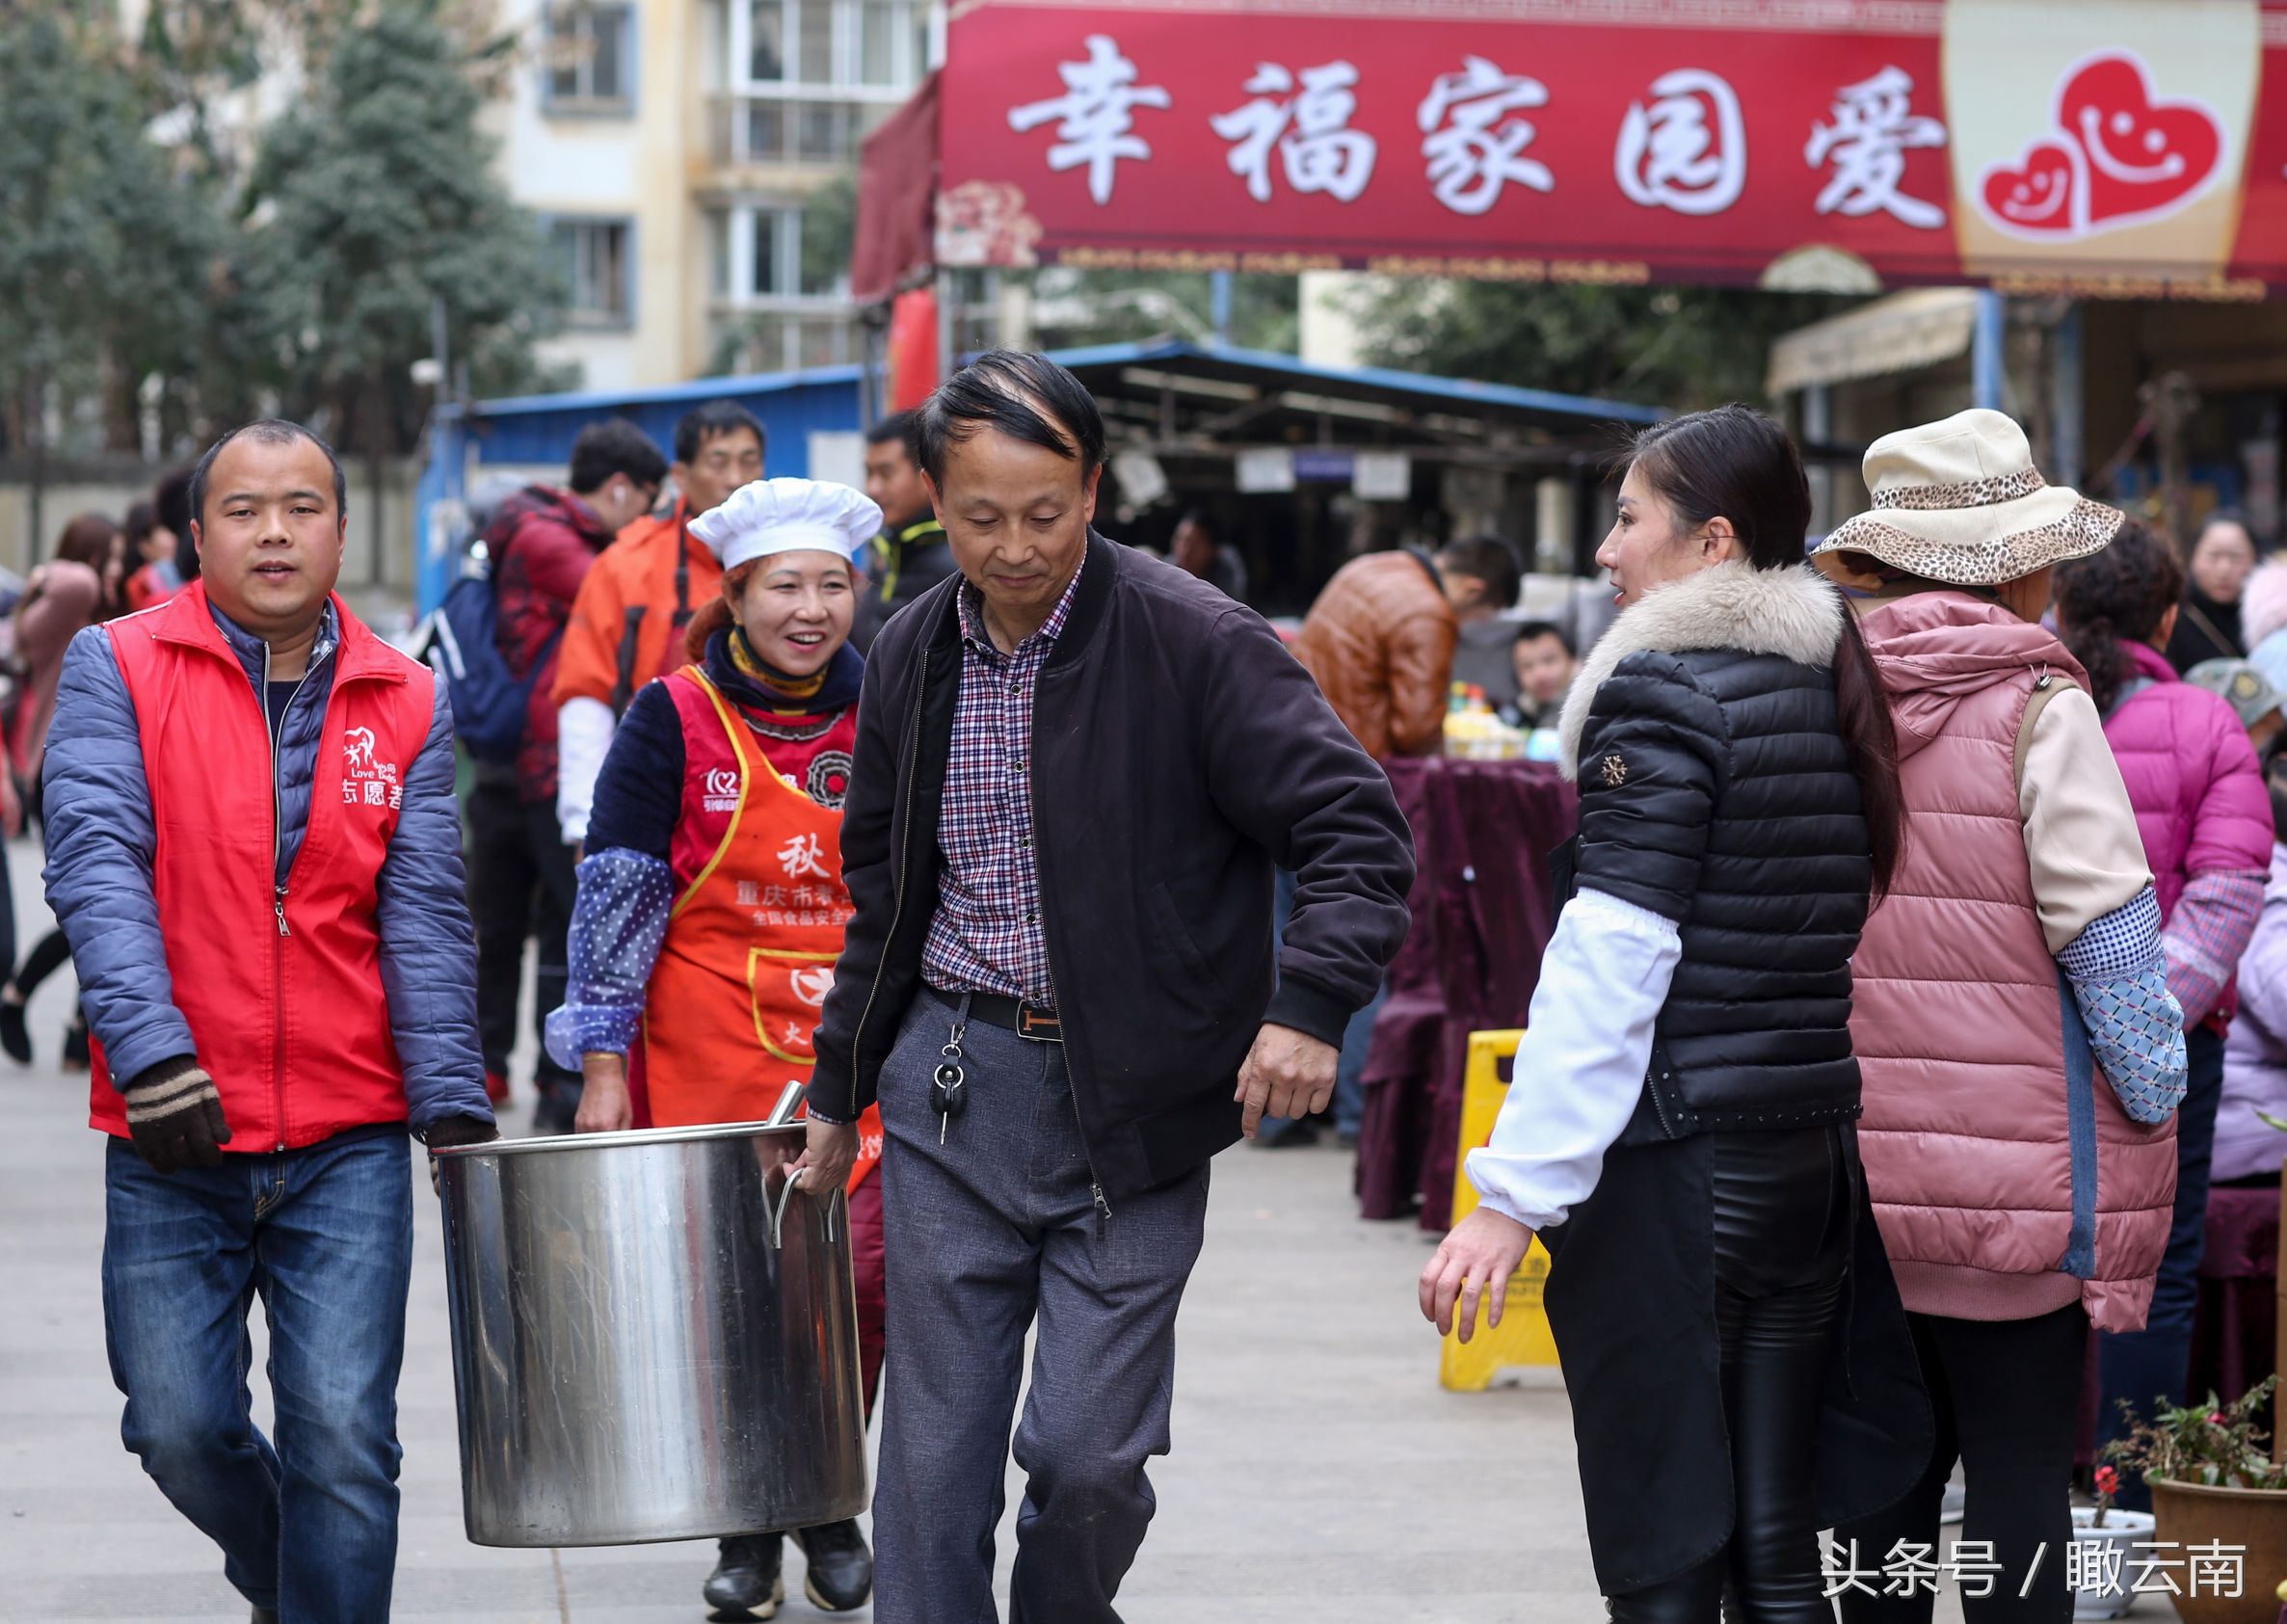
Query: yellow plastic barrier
x=1522 y=1338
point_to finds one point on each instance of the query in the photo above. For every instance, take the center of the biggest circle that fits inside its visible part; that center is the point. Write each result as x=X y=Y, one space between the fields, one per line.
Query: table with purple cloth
x=1483 y=911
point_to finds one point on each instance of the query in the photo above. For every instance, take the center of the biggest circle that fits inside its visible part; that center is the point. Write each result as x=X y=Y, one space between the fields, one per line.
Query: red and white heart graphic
x=2040 y=192
x=2116 y=155
x=2144 y=156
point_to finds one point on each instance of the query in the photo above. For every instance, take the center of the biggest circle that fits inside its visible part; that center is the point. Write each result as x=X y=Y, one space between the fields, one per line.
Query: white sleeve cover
x=1581 y=1067
x=584 y=729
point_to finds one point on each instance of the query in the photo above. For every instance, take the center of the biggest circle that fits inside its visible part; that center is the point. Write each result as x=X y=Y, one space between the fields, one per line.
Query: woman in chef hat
x=715 y=844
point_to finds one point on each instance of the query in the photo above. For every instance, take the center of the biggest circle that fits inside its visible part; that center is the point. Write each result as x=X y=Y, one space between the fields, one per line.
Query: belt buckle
x=1040 y=1026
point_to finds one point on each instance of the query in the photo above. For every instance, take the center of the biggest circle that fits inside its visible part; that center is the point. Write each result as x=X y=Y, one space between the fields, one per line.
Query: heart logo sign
x=722 y=782
x=2116 y=156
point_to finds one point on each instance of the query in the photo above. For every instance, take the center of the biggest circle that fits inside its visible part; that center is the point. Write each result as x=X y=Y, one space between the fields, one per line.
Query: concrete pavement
x=1319 y=1475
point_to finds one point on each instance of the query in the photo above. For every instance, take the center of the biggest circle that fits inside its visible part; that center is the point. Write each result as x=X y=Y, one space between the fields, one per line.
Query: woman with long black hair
x=1679 y=1131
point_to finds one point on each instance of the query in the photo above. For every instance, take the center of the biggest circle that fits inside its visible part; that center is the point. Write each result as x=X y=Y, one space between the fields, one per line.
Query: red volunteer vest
x=742 y=972
x=284 y=993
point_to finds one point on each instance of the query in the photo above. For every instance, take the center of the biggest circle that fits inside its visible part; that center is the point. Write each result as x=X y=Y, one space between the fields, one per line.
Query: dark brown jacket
x=1380 y=642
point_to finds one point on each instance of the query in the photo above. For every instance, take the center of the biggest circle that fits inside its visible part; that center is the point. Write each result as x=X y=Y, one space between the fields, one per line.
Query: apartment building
x=691 y=160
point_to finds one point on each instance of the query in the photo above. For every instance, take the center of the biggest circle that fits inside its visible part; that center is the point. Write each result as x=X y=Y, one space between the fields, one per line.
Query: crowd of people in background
x=1777 y=1010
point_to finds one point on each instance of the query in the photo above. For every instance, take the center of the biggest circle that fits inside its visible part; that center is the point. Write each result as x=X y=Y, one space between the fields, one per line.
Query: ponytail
x=1863 y=711
x=2118 y=596
x=2096 y=645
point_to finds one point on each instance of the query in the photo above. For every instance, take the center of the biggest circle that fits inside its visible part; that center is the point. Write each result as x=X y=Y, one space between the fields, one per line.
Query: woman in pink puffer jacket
x=2206 y=823
x=2020 y=1051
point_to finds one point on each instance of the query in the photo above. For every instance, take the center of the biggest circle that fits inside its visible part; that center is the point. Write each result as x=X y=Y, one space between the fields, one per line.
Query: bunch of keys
x=946 y=1095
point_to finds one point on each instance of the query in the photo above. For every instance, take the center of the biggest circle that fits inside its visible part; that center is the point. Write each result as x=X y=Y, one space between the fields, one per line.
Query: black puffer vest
x=1715 y=791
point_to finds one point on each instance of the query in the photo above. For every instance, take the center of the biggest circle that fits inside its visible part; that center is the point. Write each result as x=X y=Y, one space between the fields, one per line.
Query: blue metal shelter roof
x=1388 y=382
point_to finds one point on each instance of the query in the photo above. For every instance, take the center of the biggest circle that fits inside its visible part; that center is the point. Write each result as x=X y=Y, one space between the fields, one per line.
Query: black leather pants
x=1781 y=1214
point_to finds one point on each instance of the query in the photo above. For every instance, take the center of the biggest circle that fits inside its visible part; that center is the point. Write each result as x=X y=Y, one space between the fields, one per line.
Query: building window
x=599 y=270
x=770 y=254
x=849 y=45
x=590 y=58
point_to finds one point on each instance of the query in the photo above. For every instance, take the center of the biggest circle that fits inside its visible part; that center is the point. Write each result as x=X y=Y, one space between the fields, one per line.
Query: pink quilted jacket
x=2006 y=1180
x=2201 y=804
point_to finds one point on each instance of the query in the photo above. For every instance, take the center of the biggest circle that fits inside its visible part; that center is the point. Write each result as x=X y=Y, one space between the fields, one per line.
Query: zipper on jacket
x=913 y=757
x=1659 y=1105
x=278 y=886
x=1104 y=1207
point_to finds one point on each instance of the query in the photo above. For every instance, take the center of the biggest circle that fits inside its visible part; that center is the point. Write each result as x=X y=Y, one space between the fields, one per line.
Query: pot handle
x=785 y=1203
x=787 y=1191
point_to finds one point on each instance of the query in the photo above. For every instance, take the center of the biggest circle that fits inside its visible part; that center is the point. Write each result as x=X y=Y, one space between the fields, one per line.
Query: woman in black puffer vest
x=1679 y=1127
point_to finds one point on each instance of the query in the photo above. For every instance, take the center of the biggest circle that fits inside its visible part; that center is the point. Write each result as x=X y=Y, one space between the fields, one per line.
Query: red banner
x=2036 y=145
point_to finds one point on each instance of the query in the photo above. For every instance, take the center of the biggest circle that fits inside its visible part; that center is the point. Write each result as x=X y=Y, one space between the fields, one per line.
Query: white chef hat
x=773 y=515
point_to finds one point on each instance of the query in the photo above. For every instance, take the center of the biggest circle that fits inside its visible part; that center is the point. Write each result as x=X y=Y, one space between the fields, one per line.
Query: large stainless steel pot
x=654 y=1336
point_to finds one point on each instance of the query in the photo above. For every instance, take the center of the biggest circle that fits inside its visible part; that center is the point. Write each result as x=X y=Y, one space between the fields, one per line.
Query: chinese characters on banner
x=1181 y=134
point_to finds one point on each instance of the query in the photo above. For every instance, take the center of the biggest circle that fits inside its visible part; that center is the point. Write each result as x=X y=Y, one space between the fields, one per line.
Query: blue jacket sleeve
x=428 y=944
x=100 y=847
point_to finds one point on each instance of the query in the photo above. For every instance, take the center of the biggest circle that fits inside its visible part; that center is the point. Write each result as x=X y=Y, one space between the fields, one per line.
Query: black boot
x=840 y=1574
x=16 y=1042
x=746 y=1582
x=265 y=1615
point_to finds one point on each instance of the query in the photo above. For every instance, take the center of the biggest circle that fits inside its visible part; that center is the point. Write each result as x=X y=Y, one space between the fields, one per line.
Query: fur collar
x=1794 y=613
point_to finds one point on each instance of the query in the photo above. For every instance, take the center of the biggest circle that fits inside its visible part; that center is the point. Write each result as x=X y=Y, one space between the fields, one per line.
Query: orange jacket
x=598 y=659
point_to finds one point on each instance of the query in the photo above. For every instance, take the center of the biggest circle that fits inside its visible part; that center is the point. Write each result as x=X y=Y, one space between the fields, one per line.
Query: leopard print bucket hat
x=1959 y=501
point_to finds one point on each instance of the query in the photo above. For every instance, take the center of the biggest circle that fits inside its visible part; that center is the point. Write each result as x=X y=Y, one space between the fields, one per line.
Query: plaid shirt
x=986 y=936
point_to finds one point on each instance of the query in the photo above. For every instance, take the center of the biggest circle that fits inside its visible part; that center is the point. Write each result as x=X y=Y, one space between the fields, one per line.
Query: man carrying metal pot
x=711 y=902
x=253 y=848
x=1075 y=770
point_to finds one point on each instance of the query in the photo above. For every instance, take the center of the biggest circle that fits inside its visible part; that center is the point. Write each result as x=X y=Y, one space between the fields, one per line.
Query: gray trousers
x=984 y=1234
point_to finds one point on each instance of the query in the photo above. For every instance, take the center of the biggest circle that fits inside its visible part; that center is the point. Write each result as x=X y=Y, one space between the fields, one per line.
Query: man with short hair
x=910 y=555
x=1195 y=548
x=1544 y=663
x=254 y=847
x=628 y=621
x=1482 y=583
x=1075 y=768
x=1380 y=641
x=541 y=544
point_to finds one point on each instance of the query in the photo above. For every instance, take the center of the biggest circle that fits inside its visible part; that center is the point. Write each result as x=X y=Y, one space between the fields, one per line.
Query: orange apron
x=748 y=956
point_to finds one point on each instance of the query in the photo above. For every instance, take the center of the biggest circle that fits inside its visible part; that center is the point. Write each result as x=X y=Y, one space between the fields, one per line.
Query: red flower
x=2108 y=1481
x=2215 y=1418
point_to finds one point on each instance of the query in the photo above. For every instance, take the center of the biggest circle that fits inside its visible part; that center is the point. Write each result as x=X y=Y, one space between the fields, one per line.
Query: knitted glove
x=448 y=1132
x=175 y=1116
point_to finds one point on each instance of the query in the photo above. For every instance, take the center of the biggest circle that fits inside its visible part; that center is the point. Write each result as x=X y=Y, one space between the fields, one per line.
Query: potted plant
x=2214 y=1485
x=2099 y=1528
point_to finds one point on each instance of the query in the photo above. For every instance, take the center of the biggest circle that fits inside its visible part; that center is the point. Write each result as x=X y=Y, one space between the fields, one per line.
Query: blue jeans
x=1349 y=1073
x=324 y=1236
x=2155 y=1362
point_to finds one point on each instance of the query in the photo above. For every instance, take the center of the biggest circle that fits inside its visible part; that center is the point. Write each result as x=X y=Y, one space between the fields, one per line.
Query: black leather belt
x=1026 y=1020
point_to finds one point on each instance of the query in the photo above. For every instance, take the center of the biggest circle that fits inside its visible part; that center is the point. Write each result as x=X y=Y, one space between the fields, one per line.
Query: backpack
x=489 y=705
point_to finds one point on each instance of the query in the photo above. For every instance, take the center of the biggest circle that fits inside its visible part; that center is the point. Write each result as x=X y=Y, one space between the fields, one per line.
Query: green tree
x=1079 y=308
x=104 y=249
x=371 y=207
x=1683 y=347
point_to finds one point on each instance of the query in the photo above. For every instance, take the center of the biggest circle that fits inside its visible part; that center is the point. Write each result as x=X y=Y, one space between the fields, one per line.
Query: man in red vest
x=254 y=847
